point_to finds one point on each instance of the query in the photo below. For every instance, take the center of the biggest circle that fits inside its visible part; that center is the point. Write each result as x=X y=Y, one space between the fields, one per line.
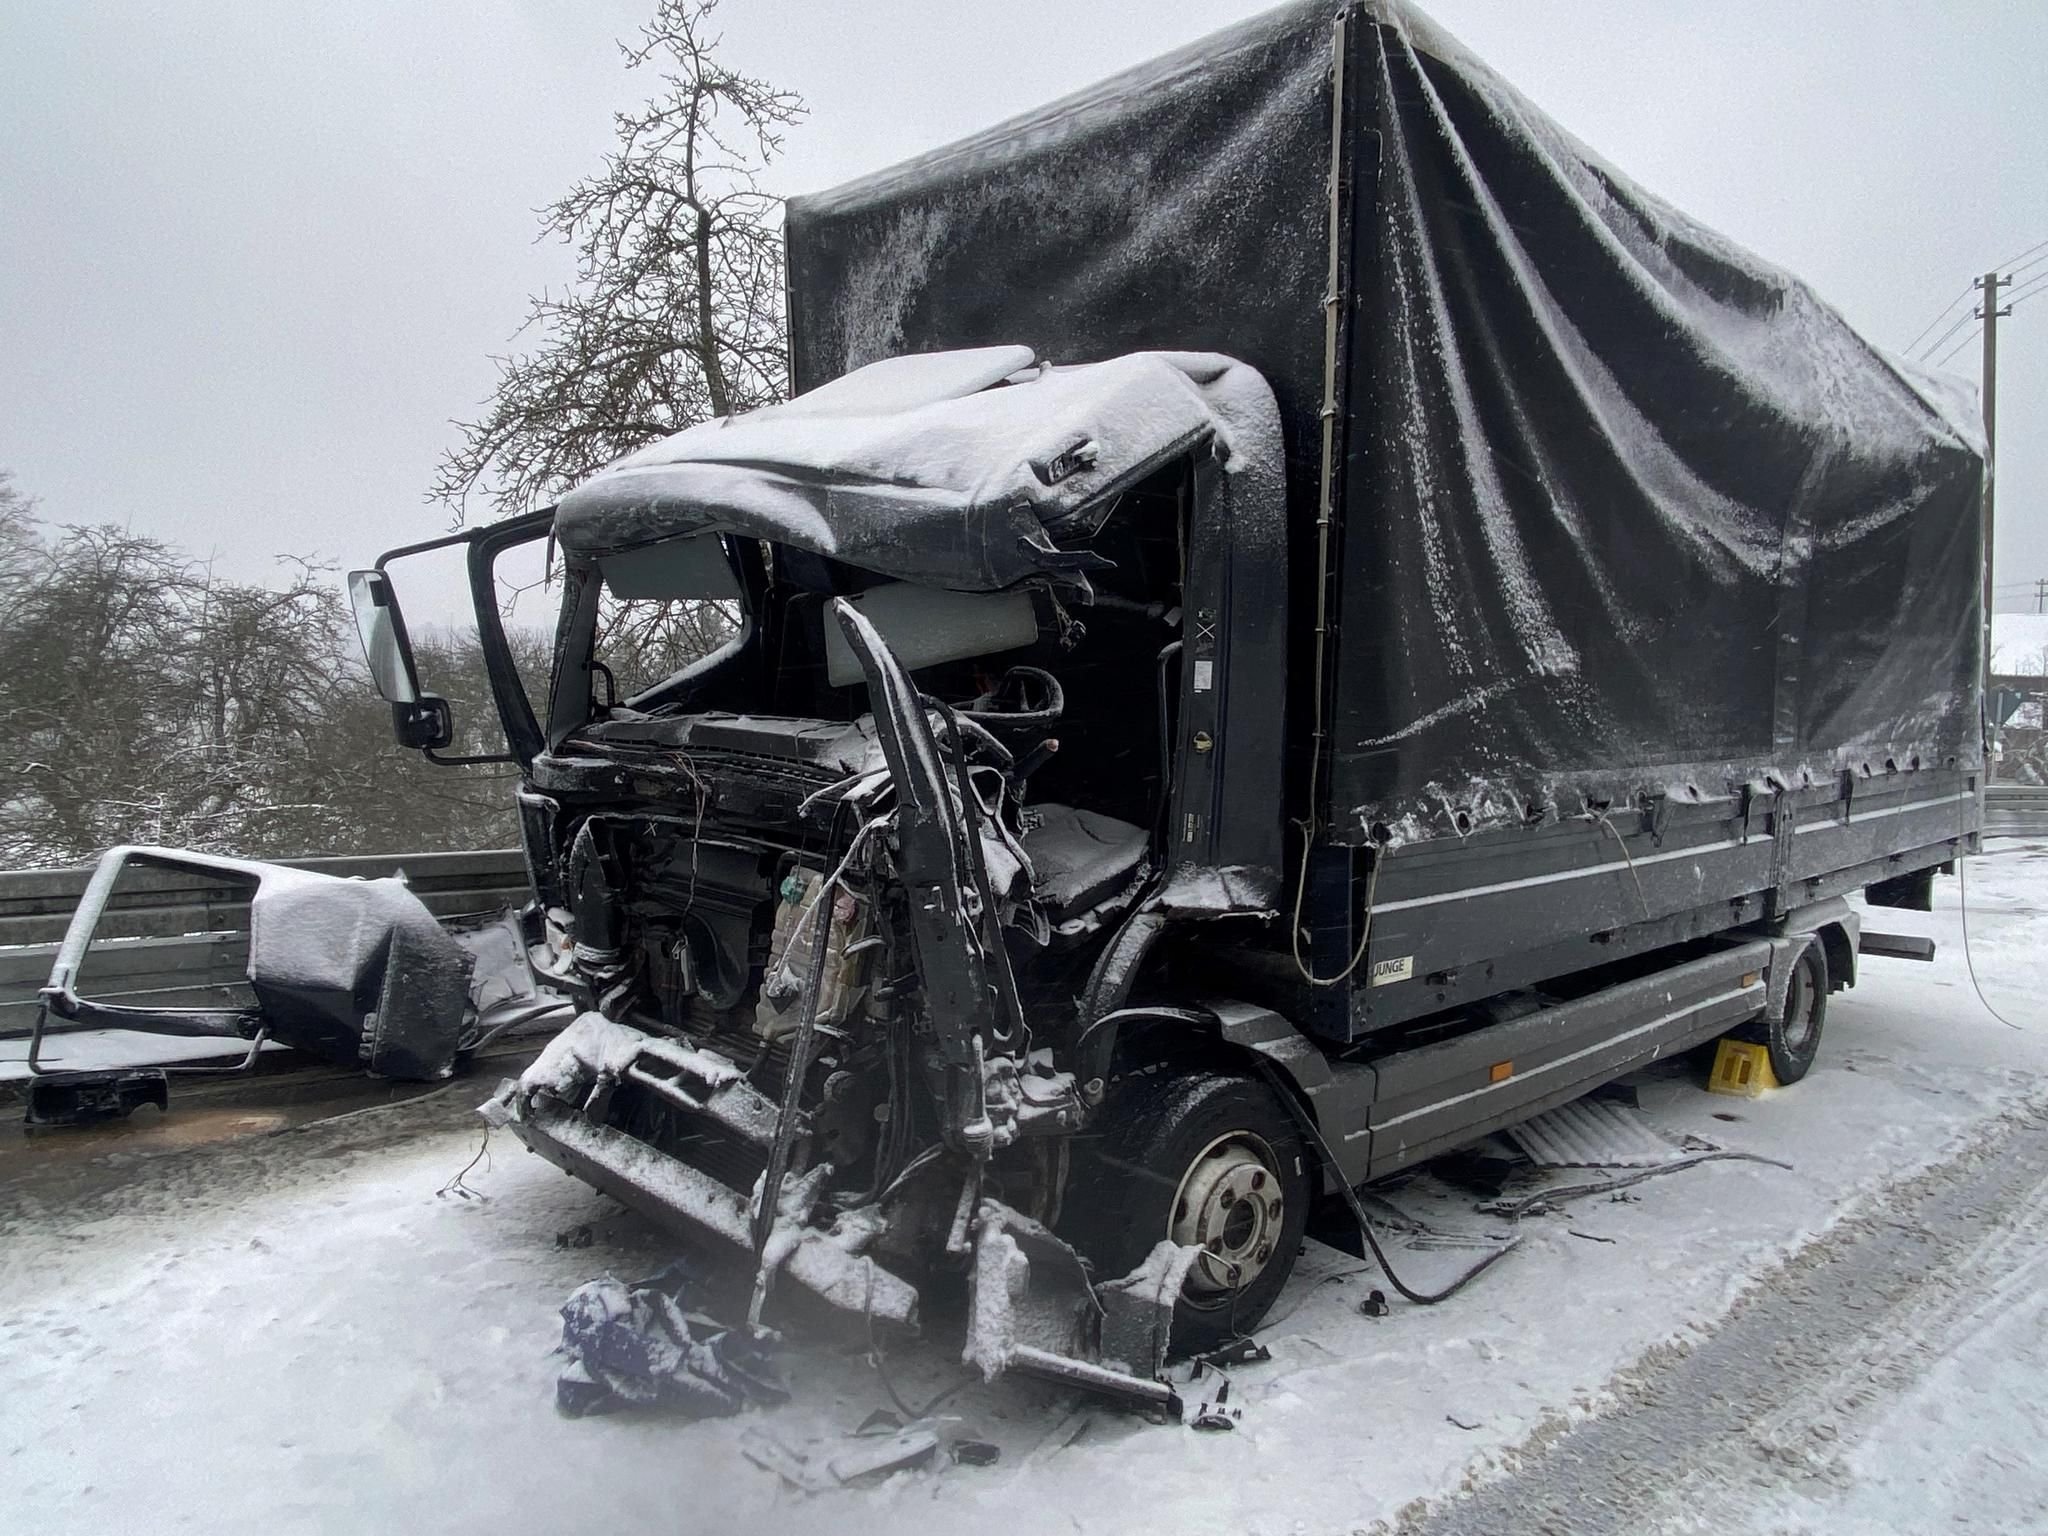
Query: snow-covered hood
x=944 y=467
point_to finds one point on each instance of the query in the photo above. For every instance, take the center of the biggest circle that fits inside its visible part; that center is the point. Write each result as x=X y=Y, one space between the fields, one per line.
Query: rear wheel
x=1794 y=1040
x=1201 y=1159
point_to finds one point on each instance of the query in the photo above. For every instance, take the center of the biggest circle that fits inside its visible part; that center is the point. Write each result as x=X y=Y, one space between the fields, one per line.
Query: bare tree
x=144 y=699
x=676 y=311
x=20 y=538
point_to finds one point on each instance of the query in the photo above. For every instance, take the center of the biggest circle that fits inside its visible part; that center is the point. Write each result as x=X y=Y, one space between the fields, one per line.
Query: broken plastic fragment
x=878 y=1458
x=638 y=1346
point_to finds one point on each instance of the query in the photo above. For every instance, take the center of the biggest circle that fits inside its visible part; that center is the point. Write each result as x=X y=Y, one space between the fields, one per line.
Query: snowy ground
x=300 y=1333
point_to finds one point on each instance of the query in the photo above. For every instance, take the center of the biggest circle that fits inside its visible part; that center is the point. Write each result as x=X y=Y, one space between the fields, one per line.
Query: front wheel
x=1206 y=1160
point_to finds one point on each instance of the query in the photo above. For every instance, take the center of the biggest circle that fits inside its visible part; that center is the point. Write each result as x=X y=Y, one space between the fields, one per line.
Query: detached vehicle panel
x=1139 y=790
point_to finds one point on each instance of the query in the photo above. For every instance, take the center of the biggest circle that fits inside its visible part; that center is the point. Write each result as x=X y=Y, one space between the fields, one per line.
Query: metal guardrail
x=2016 y=810
x=177 y=939
x=180 y=940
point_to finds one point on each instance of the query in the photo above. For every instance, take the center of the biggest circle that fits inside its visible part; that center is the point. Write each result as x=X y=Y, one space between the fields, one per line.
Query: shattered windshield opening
x=636 y=627
x=665 y=607
x=645 y=642
x=1082 y=674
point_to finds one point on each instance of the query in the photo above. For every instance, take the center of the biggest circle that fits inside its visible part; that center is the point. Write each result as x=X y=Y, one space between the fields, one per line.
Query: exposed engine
x=804 y=1032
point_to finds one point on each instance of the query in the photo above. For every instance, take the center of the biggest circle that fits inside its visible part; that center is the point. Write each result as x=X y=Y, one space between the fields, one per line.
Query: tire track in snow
x=1954 y=1303
x=1773 y=1401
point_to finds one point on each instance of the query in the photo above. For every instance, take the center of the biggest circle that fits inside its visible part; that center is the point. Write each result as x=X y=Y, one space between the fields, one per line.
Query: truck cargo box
x=1642 y=559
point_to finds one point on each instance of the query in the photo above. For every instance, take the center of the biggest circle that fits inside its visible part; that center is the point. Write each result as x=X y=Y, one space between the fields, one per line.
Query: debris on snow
x=1592 y=1132
x=639 y=1346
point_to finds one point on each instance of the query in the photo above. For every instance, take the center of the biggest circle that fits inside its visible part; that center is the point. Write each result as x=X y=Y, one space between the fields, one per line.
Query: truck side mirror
x=421 y=721
x=386 y=649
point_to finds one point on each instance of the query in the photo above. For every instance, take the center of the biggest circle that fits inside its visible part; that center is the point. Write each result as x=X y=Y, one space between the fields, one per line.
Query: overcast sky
x=255 y=255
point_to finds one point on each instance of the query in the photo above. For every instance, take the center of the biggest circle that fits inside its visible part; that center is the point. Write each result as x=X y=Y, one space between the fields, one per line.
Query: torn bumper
x=557 y=1109
x=1033 y=1306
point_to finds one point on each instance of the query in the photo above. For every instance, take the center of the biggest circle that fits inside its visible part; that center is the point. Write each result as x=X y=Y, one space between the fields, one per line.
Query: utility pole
x=1988 y=312
x=2041 y=594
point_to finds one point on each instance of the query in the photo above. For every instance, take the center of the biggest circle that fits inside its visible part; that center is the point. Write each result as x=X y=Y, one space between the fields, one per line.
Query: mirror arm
x=421 y=721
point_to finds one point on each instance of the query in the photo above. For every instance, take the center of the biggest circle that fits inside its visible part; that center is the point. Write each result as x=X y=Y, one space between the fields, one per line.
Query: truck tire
x=1201 y=1158
x=1794 y=1040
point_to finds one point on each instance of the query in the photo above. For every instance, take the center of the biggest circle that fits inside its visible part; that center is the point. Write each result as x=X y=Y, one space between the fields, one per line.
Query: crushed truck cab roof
x=953 y=468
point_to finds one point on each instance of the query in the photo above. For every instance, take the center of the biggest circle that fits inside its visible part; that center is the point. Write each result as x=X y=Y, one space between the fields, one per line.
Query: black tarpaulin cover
x=1623 y=508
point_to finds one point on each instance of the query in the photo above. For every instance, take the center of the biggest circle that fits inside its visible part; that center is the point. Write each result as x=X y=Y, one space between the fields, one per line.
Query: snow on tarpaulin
x=1644 y=502
x=945 y=468
x=1622 y=506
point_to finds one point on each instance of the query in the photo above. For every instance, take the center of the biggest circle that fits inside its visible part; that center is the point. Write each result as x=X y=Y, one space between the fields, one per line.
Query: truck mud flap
x=1032 y=1308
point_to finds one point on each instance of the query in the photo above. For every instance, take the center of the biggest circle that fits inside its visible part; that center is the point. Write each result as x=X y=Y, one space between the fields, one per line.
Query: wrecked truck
x=1294 y=618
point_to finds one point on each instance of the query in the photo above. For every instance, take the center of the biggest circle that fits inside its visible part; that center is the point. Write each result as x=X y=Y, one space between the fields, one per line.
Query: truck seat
x=1081 y=859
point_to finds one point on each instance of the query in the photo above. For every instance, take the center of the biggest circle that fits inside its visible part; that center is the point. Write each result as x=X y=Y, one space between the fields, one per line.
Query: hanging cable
x=1325 y=522
x=1366 y=1230
x=1627 y=857
x=1969 y=961
x=1372 y=887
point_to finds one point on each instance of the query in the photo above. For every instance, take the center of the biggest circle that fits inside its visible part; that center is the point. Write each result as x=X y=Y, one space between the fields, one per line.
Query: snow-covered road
x=1883 y=1379
x=299 y=1333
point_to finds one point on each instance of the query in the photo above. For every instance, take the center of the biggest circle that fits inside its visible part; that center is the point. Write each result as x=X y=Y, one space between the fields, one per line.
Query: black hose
x=1969 y=960
x=1365 y=1227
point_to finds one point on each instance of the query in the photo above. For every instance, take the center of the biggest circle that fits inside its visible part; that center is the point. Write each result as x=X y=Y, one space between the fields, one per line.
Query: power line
x=2030 y=257
x=2034 y=263
x=1975 y=332
x=2029 y=290
x=1942 y=340
x=2007 y=266
x=1914 y=345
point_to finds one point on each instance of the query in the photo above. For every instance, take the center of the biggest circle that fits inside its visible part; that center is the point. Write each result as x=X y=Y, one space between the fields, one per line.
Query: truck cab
x=981 y=784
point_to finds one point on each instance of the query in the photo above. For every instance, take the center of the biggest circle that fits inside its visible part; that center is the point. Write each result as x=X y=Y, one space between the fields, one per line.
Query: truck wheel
x=1203 y=1159
x=1794 y=1041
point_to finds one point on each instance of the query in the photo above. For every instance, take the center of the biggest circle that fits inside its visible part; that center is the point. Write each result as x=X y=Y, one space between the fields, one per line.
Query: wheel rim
x=1799 y=1010
x=1229 y=1205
